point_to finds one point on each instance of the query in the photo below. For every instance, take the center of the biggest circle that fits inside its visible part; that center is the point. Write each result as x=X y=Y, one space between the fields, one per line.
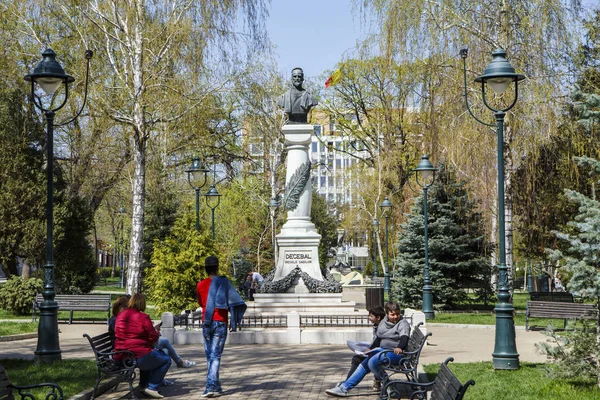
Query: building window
x=318 y=130
x=322 y=181
x=314 y=147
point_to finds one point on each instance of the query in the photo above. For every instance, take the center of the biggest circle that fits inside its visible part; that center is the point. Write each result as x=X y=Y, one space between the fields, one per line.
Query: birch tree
x=156 y=52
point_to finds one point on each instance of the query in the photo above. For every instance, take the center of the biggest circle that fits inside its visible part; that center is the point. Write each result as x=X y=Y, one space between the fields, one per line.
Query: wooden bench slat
x=556 y=310
x=102 y=345
x=446 y=385
x=77 y=302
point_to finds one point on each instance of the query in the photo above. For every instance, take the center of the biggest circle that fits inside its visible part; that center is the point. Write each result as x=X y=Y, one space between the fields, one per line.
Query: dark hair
x=121 y=301
x=379 y=312
x=392 y=306
x=298 y=68
x=211 y=265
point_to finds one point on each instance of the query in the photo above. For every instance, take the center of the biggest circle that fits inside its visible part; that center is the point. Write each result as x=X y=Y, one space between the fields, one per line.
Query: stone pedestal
x=298 y=242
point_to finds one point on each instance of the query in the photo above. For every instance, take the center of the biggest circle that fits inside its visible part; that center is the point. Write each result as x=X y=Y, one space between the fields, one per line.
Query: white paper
x=359 y=348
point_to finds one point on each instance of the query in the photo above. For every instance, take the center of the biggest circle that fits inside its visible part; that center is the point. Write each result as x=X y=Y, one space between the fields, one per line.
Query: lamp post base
x=505 y=355
x=48 y=348
x=428 y=302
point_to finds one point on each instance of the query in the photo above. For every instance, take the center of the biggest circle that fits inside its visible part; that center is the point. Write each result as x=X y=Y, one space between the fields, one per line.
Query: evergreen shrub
x=17 y=294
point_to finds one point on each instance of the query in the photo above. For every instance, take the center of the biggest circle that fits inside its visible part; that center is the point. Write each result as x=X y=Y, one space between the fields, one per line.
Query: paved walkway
x=304 y=372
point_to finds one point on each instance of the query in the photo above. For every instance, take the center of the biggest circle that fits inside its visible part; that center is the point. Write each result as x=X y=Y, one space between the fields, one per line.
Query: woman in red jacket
x=134 y=332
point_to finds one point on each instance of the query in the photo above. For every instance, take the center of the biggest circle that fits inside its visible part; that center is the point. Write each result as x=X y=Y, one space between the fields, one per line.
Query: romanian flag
x=334 y=79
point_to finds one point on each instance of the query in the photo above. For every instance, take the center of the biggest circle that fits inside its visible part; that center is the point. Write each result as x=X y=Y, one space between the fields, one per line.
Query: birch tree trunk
x=136 y=245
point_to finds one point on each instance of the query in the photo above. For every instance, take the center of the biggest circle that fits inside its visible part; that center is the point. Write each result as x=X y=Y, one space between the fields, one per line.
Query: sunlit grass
x=73 y=376
x=529 y=382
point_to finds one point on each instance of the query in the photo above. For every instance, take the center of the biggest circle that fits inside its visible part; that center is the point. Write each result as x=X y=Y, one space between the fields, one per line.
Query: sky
x=312 y=34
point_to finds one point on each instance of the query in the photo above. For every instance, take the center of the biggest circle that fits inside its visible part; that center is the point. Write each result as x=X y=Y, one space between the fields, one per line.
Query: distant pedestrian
x=217 y=297
x=258 y=278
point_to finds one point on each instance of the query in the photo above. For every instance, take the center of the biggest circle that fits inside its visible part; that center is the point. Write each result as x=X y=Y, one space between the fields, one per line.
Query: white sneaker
x=185 y=364
x=152 y=393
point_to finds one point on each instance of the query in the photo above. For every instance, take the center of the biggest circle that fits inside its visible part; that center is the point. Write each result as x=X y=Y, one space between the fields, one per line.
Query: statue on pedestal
x=297 y=102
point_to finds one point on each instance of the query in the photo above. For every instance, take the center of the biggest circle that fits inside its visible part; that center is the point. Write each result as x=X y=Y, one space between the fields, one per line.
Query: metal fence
x=335 y=321
x=280 y=321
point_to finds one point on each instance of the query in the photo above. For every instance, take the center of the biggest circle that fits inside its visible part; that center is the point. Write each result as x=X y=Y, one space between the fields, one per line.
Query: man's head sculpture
x=297 y=102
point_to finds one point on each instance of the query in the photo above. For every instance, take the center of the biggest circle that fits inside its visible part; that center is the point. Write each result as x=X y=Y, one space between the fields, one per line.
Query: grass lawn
x=73 y=376
x=16 y=328
x=530 y=382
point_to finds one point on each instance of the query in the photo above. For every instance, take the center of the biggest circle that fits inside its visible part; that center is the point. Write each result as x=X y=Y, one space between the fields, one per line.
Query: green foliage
x=241 y=266
x=22 y=183
x=580 y=245
x=575 y=352
x=75 y=262
x=178 y=266
x=457 y=246
x=161 y=212
x=17 y=294
x=326 y=226
x=104 y=272
x=370 y=267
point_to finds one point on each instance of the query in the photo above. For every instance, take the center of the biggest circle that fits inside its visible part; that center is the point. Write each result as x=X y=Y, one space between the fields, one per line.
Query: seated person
x=120 y=305
x=258 y=278
x=376 y=314
x=247 y=285
x=134 y=332
x=393 y=333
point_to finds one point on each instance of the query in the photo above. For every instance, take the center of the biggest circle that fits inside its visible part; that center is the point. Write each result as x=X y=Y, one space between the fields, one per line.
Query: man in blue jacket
x=217 y=297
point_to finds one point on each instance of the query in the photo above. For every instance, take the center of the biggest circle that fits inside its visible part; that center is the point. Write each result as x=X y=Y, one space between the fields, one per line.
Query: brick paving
x=302 y=372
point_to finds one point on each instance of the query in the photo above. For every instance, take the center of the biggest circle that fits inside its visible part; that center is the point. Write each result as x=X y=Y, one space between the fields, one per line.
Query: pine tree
x=457 y=246
x=579 y=254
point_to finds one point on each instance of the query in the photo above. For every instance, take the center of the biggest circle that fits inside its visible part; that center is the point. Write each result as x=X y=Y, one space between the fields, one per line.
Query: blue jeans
x=167 y=348
x=153 y=368
x=369 y=364
x=214 y=342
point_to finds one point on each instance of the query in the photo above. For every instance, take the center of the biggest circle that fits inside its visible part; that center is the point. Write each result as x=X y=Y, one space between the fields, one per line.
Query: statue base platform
x=303 y=303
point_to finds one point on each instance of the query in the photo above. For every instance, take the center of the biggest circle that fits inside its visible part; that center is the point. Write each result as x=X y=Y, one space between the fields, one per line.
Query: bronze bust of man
x=297 y=102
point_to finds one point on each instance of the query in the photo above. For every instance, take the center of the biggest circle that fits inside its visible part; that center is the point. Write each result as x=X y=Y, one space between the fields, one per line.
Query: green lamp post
x=425 y=174
x=121 y=214
x=499 y=74
x=197 y=179
x=213 y=199
x=273 y=206
x=49 y=75
x=386 y=208
x=375 y=225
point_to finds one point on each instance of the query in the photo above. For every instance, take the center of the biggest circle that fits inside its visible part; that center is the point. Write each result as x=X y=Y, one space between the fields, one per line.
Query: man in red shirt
x=216 y=296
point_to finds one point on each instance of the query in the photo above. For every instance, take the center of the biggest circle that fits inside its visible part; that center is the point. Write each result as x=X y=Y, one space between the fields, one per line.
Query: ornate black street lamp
x=49 y=75
x=213 y=199
x=197 y=179
x=386 y=208
x=375 y=225
x=121 y=213
x=273 y=206
x=425 y=174
x=499 y=74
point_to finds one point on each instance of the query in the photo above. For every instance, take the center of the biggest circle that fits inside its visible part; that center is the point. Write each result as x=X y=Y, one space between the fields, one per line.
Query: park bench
x=563 y=297
x=445 y=386
x=408 y=364
x=7 y=389
x=103 y=348
x=76 y=302
x=557 y=310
